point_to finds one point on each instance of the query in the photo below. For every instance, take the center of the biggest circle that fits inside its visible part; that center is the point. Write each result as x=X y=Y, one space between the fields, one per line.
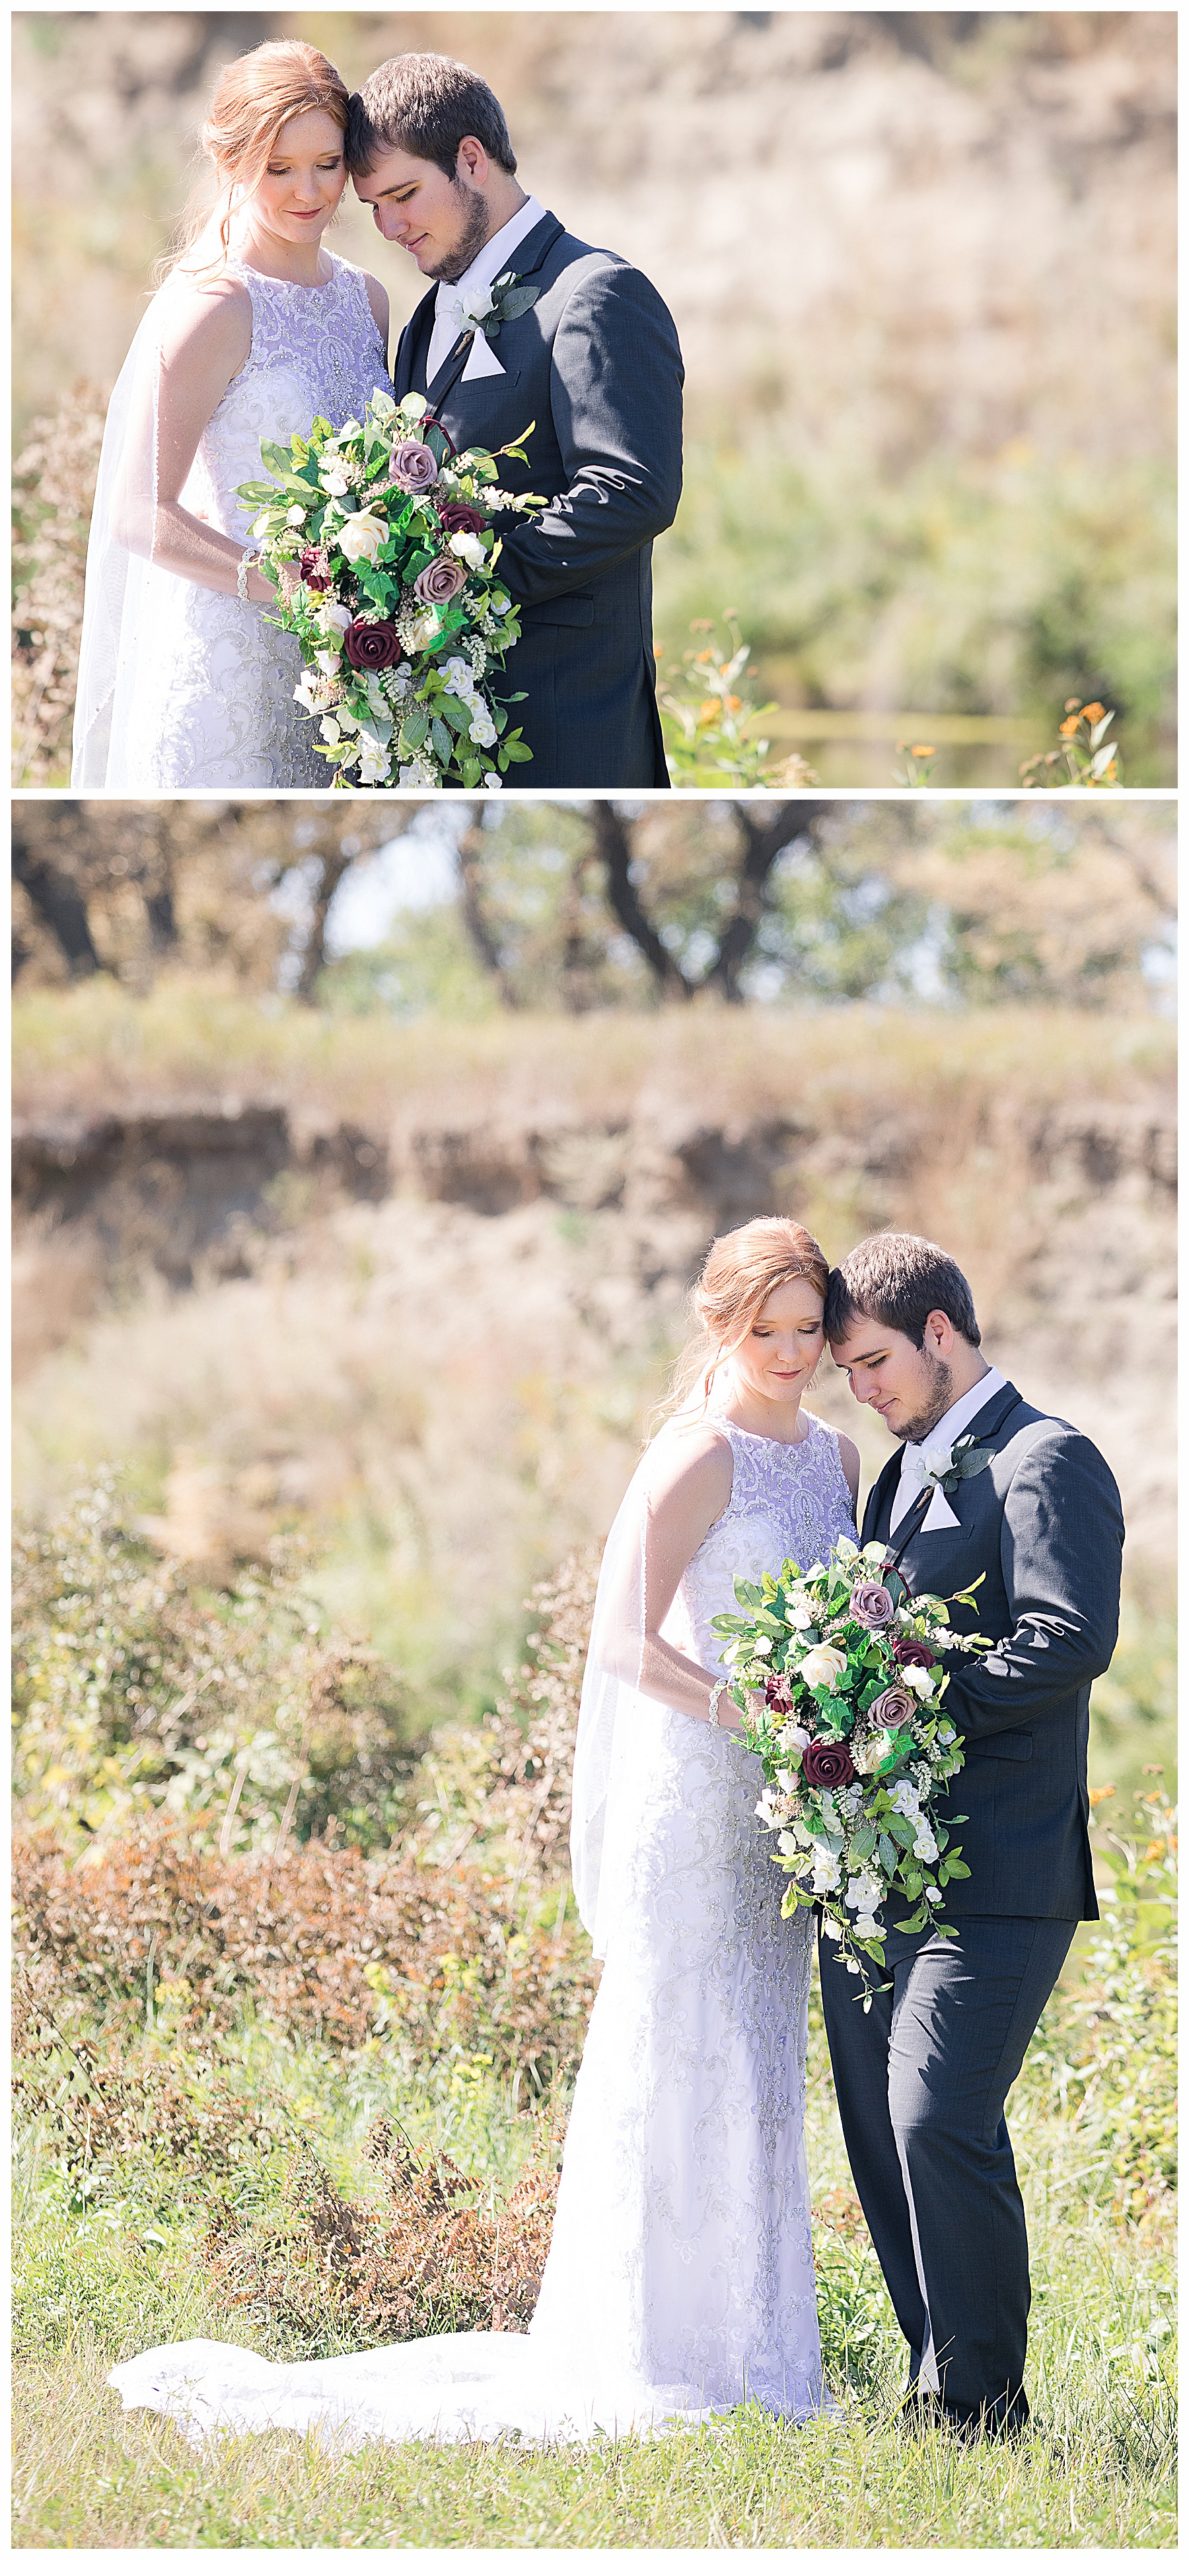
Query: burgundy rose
x=315 y=569
x=827 y=1764
x=871 y=1604
x=442 y=580
x=371 y=646
x=893 y=1707
x=412 y=466
x=910 y=1650
x=457 y=518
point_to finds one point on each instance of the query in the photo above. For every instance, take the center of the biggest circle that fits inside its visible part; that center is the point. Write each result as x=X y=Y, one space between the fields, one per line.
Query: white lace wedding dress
x=196 y=690
x=680 y=2277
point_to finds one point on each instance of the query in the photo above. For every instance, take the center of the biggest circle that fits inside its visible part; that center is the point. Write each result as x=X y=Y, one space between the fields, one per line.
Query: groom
x=587 y=354
x=1028 y=1504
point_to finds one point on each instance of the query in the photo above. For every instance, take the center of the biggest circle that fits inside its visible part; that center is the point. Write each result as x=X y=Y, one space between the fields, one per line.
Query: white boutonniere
x=485 y=307
x=951 y=1467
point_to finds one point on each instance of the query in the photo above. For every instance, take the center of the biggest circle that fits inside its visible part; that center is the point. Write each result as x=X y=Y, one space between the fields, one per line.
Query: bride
x=680 y=2280
x=256 y=331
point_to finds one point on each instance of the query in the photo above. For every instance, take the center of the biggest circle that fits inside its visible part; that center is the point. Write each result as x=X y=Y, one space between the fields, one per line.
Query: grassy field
x=172 y=2179
x=98 y=1046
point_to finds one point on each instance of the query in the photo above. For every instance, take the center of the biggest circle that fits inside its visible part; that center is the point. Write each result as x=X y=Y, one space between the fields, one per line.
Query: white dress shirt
x=932 y=1454
x=495 y=257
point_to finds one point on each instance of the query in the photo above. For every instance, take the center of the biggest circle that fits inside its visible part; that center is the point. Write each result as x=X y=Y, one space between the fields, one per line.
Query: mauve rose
x=442 y=580
x=412 y=466
x=372 y=646
x=827 y=1764
x=871 y=1604
x=314 y=569
x=893 y=1707
x=909 y=1649
x=457 y=518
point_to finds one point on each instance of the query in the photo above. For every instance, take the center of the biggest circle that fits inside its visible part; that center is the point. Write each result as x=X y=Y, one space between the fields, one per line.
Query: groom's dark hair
x=426 y=104
x=899 y=1280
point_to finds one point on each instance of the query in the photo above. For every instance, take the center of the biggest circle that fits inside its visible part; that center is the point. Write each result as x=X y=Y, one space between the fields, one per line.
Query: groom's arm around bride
x=589 y=357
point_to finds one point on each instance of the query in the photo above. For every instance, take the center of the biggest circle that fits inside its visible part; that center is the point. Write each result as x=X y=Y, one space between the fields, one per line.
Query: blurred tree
x=584 y=904
x=125 y=886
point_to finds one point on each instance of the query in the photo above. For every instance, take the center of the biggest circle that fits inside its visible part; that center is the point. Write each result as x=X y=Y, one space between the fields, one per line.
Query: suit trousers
x=921 y=2081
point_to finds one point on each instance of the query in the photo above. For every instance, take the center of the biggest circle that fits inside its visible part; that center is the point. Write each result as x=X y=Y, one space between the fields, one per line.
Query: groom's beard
x=476 y=229
x=940 y=1398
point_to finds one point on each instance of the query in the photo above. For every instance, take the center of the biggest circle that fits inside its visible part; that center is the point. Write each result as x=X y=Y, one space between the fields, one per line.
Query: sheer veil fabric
x=181 y=686
x=680 y=2277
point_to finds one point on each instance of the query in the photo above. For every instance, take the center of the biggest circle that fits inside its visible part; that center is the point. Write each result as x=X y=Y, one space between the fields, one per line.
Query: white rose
x=477 y=301
x=296 y=515
x=822 y=1667
x=787 y=1845
x=330 y=660
x=867 y=1926
x=335 y=617
x=493 y=782
x=763 y=1644
x=331 y=732
x=375 y=764
x=467 y=547
x=800 y=1615
x=915 y=1676
x=932 y=1893
x=362 y=537
x=831 y=1928
x=335 y=479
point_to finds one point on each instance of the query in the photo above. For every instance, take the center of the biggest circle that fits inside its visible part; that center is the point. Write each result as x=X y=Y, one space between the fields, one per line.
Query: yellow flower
x=1070 y=727
x=1093 y=710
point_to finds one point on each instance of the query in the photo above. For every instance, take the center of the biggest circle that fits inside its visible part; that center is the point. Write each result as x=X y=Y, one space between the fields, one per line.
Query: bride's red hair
x=255 y=96
x=739 y=1274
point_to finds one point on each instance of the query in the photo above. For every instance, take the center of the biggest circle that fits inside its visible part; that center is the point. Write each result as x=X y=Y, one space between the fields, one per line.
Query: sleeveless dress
x=679 y=2282
x=212 y=706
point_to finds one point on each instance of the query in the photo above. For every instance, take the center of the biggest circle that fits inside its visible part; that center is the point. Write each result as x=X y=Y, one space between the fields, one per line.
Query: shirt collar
x=959 y=1416
x=495 y=253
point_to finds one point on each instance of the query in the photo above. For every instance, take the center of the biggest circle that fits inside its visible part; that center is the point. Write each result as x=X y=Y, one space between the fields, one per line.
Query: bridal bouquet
x=839 y=1676
x=383 y=544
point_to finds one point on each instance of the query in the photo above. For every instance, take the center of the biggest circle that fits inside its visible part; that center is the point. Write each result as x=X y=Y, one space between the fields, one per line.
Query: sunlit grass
x=1099 y=2472
x=97 y=1046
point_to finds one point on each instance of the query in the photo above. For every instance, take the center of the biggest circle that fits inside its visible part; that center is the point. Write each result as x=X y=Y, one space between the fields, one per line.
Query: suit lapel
x=878 y=1509
x=447 y=374
x=413 y=346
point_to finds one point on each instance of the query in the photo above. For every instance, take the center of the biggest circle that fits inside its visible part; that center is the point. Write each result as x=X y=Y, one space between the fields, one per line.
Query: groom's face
x=909 y=1385
x=441 y=220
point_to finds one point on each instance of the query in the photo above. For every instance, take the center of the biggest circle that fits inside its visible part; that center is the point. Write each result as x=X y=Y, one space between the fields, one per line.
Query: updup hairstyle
x=740 y=1272
x=425 y=104
x=898 y=1280
x=255 y=96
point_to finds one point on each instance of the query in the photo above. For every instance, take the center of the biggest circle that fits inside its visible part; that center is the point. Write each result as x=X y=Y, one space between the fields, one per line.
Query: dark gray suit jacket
x=596 y=364
x=1043 y=1522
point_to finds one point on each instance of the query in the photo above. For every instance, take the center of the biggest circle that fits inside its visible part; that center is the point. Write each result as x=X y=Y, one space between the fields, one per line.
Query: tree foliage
x=610 y=902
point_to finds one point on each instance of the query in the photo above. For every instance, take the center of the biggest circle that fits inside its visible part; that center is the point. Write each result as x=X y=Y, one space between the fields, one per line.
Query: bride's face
x=777 y=1359
x=304 y=180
